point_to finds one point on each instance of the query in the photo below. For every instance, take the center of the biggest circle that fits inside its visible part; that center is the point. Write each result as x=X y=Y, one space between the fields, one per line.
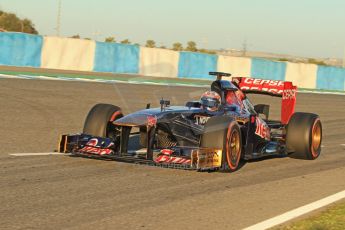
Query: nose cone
x=143 y=117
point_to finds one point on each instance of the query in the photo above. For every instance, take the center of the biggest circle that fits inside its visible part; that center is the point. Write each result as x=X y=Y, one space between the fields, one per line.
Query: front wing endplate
x=206 y=158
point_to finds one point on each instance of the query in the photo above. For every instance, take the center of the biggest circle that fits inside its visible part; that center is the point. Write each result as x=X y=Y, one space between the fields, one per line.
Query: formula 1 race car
x=214 y=133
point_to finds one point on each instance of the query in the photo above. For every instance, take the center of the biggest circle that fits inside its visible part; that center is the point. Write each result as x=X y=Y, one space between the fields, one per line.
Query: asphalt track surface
x=62 y=192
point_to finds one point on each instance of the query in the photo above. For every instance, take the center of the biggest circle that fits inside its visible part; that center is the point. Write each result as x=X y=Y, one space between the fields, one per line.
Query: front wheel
x=224 y=133
x=233 y=147
x=99 y=120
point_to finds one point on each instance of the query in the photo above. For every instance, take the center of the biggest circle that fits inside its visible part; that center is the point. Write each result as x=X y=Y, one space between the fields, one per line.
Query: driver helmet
x=210 y=100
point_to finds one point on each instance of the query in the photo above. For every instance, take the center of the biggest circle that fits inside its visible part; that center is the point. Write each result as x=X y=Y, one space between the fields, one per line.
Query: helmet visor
x=210 y=103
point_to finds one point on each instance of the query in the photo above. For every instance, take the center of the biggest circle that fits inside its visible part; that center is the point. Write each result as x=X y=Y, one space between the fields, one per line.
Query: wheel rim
x=316 y=138
x=233 y=149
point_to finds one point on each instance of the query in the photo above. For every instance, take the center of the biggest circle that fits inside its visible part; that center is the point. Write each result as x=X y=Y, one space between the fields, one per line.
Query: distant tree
x=203 y=50
x=191 y=46
x=150 y=44
x=10 y=22
x=316 y=62
x=29 y=27
x=110 y=39
x=177 y=46
x=283 y=59
x=137 y=44
x=87 y=38
x=163 y=47
x=206 y=51
x=76 y=36
x=211 y=52
x=126 y=41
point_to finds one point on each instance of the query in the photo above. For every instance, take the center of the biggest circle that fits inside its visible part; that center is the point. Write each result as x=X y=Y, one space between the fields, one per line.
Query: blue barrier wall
x=19 y=49
x=266 y=69
x=116 y=58
x=196 y=65
x=331 y=78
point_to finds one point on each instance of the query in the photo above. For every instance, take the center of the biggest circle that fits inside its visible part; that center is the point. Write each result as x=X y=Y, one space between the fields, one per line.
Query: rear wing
x=276 y=88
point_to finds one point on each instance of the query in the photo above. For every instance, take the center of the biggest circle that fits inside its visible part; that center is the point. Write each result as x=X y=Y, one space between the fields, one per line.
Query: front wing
x=177 y=157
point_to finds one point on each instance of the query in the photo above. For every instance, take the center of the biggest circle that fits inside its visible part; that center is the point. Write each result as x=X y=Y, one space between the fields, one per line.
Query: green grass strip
x=331 y=219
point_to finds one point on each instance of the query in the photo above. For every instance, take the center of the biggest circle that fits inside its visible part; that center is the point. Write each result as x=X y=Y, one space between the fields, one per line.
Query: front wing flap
x=83 y=143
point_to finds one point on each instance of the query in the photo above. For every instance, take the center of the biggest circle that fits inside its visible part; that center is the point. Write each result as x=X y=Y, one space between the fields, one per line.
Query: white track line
x=34 y=154
x=297 y=212
x=100 y=80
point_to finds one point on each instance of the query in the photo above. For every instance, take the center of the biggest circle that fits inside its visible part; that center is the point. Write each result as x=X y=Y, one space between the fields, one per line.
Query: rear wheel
x=304 y=136
x=99 y=121
x=224 y=133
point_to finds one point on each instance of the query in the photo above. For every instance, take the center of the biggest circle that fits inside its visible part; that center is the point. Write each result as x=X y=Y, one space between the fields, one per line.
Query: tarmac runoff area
x=42 y=189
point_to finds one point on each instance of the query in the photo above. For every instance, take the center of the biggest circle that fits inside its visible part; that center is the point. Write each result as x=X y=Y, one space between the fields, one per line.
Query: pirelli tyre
x=304 y=136
x=99 y=120
x=224 y=133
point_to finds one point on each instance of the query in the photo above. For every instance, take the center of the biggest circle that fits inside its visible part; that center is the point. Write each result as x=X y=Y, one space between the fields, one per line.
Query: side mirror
x=164 y=104
x=262 y=109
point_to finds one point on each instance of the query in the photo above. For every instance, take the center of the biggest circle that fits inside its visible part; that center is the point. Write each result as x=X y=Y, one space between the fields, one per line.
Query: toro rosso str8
x=214 y=133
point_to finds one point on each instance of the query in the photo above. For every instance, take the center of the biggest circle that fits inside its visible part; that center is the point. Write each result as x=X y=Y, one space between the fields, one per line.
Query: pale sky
x=311 y=28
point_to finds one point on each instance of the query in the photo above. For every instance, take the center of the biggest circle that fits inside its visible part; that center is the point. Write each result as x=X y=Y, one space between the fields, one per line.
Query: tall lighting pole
x=58 y=20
